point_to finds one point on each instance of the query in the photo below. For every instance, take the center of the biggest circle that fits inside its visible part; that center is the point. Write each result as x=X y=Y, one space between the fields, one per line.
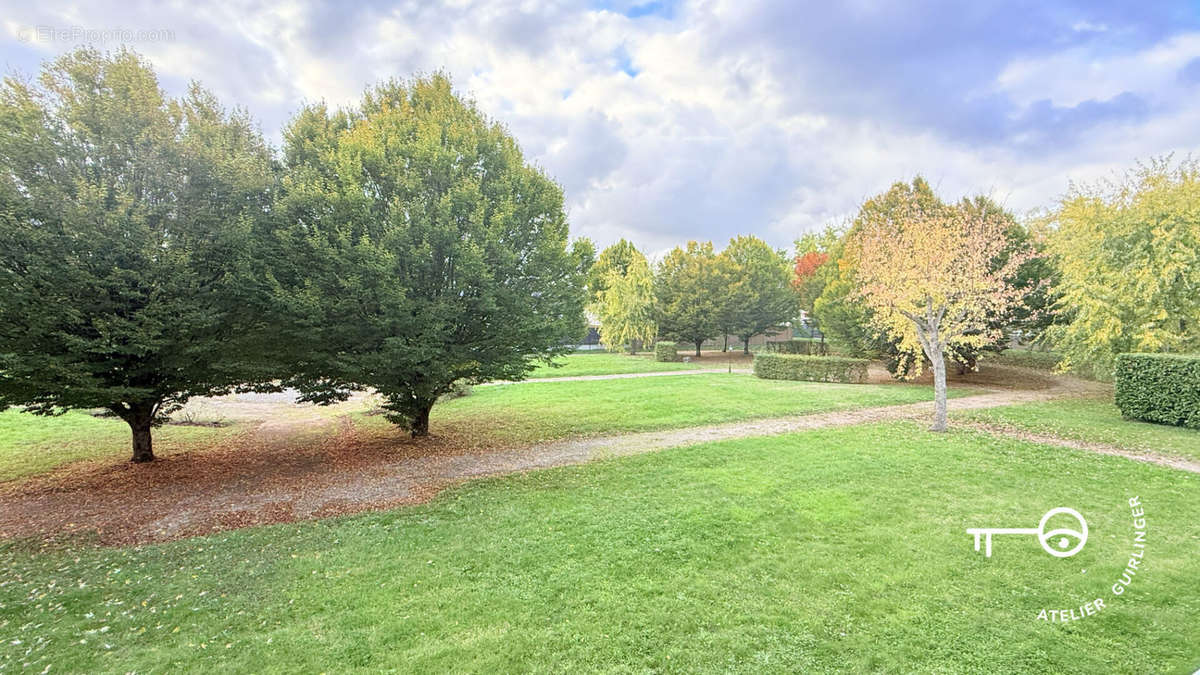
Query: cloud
x=674 y=120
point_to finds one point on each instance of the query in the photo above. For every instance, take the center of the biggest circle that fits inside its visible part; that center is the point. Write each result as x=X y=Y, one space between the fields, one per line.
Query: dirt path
x=308 y=464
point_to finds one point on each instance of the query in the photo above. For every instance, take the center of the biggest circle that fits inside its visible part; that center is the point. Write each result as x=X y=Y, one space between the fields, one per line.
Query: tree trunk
x=698 y=343
x=930 y=334
x=420 y=423
x=939 y=388
x=140 y=418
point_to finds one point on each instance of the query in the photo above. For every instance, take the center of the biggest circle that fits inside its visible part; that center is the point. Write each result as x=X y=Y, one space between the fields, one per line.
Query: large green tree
x=1129 y=257
x=125 y=221
x=760 y=297
x=417 y=248
x=689 y=288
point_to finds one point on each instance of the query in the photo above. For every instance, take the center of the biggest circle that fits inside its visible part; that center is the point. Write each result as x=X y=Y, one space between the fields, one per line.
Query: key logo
x=1056 y=542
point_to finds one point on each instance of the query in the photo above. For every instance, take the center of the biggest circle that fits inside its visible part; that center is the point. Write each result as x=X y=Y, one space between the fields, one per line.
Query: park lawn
x=536 y=411
x=838 y=549
x=31 y=444
x=1092 y=420
x=609 y=363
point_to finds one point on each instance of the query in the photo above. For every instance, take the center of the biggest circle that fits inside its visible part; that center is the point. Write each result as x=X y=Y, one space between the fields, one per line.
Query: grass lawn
x=1092 y=420
x=31 y=444
x=531 y=411
x=839 y=549
x=607 y=363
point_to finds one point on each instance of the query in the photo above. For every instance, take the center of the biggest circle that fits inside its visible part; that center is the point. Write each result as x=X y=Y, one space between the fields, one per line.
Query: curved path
x=270 y=475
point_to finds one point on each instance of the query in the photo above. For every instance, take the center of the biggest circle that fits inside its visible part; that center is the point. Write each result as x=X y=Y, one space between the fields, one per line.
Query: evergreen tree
x=417 y=249
x=125 y=219
x=689 y=290
x=760 y=296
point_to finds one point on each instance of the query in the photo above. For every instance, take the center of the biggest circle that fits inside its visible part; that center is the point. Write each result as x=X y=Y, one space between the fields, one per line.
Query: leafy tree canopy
x=691 y=289
x=615 y=259
x=125 y=219
x=1129 y=256
x=417 y=248
x=760 y=296
x=928 y=273
x=625 y=301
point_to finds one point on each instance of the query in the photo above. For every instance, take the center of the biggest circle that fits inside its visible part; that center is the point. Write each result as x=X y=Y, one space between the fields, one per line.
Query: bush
x=1027 y=358
x=666 y=351
x=810 y=368
x=1159 y=388
x=796 y=346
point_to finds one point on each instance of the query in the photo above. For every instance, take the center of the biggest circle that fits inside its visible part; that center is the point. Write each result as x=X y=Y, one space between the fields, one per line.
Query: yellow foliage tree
x=929 y=275
x=626 y=306
x=1129 y=255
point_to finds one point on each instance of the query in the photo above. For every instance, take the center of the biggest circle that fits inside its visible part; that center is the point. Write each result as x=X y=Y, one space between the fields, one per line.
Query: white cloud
x=736 y=120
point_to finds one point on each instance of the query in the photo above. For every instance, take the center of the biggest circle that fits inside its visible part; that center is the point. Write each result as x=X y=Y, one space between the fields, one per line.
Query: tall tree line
x=693 y=294
x=153 y=250
x=1110 y=268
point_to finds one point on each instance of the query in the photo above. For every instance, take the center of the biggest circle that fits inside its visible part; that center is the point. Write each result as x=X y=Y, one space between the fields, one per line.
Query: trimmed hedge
x=810 y=368
x=1159 y=388
x=796 y=346
x=666 y=351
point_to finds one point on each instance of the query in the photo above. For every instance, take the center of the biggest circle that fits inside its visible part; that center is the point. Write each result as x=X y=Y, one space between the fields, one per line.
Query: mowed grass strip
x=31 y=444
x=1097 y=421
x=839 y=549
x=608 y=363
x=535 y=411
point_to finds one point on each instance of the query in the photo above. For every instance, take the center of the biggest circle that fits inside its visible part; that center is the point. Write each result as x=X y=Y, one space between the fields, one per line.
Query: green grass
x=606 y=363
x=1092 y=420
x=840 y=549
x=533 y=411
x=31 y=444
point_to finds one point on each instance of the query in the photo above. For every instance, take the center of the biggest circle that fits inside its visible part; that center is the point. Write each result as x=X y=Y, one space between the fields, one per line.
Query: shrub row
x=810 y=368
x=1160 y=388
x=1027 y=358
x=666 y=351
x=796 y=346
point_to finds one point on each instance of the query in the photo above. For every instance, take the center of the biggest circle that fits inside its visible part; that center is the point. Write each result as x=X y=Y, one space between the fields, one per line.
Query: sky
x=668 y=121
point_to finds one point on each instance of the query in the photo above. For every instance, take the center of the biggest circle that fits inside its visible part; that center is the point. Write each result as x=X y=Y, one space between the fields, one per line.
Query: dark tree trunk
x=140 y=418
x=420 y=424
x=143 y=444
x=698 y=343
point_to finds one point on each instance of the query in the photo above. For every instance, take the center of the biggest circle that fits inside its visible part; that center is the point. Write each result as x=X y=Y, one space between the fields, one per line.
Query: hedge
x=810 y=368
x=796 y=346
x=666 y=351
x=1159 y=388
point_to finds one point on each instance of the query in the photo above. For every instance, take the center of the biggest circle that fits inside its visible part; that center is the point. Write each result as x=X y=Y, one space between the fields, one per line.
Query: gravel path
x=303 y=466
